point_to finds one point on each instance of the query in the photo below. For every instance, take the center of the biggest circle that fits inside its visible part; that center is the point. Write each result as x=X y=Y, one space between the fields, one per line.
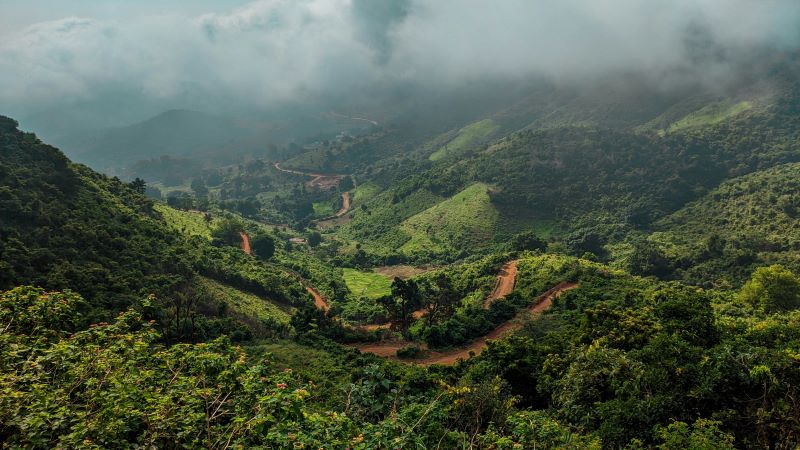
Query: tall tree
x=405 y=299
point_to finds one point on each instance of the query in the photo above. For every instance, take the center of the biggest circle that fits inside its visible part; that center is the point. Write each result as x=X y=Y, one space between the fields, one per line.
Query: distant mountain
x=174 y=132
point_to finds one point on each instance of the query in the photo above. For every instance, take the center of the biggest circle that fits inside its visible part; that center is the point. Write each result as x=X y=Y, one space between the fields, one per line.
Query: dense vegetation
x=227 y=315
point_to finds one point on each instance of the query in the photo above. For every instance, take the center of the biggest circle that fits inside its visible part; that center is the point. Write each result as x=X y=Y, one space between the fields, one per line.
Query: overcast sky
x=53 y=52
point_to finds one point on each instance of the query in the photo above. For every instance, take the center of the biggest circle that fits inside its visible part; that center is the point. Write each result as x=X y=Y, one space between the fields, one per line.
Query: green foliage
x=409 y=351
x=63 y=226
x=314 y=238
x=367 y=284
x=188 y=222
x=772 y=289
x=228 y=230
x=263 y=245
x=527 y=240
x=535 y=429
x=745 y=222
x=467 y=138
x=114 y=386
x=702 y=435
x=709 y=115
x=465 y=219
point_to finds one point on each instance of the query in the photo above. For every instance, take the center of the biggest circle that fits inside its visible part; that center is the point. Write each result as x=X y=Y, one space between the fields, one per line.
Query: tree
x=138 y=185
x=199 y=187
x=263 y=245
x=773 y=288
x=228 y=231
x=405 y=299
x=647 y=259
x=441 y=298
x=314 y=238
x=527 y=241
x=346 y=184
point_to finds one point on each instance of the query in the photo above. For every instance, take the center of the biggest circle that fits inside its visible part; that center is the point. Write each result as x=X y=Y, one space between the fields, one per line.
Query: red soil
x=245 y=243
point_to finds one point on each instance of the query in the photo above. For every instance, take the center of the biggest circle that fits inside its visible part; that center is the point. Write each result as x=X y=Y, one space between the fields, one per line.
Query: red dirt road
x=506 y=281
x=318 y=180
x=245 y=243
x=541 y=304
x=319 y=300
x=345 y=204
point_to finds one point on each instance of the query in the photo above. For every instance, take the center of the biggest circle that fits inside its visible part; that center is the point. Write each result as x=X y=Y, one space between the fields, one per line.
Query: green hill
x=63 y=226
x=466 y=219
x=745 y=222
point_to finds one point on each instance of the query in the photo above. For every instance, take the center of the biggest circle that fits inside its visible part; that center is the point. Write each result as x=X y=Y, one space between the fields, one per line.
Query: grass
x=466 y=219
x=466 y=138
x=365 y=192
x=367 y=284
x=323 y=209
x=709 y=115
x=246 y=304
x=187 y=222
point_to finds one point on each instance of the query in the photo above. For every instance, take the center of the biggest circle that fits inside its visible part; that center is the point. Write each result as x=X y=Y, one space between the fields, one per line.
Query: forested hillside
x=65 y=226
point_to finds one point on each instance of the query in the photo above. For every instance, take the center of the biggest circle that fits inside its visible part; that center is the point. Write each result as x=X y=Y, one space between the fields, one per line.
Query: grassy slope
x=244 y=303
x=187 y=222
x=467 y=137
x=710 y=115
x=467 y=217
x=365 y=192
x=367 y=284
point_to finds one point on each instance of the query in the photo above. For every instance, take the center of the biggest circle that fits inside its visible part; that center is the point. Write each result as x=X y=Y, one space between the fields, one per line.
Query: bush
x=409 y=351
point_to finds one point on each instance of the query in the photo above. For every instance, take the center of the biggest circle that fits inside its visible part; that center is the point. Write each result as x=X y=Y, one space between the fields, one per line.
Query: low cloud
x=276 y=51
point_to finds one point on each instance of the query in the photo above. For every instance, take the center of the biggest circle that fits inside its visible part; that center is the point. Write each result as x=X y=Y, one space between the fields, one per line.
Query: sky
x=262 y=53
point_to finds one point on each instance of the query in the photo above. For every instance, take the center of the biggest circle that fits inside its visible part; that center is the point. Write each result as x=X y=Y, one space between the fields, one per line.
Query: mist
x=265 y=55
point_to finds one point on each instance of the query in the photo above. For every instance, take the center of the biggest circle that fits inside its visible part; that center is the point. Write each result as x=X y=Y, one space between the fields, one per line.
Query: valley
x=400 y=225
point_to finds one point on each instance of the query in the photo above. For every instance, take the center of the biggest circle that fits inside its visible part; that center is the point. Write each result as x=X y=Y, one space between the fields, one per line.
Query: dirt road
x=345 y=204
x=506 y=281
x=541 y=304
x=318 y=180
x=319 y=300
x=245 y=243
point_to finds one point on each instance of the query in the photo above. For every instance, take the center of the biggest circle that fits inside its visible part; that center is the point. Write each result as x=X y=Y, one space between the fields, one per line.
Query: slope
x=63 y=226
x=746 y=222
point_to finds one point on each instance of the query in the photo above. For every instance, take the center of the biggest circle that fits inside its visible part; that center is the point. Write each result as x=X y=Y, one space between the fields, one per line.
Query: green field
x=467 y=137
x=367 y=284
x=709 y=115
x=244 y=303
x=467 y=217
x=365 y=192
x=323 y=209
x=187 y=222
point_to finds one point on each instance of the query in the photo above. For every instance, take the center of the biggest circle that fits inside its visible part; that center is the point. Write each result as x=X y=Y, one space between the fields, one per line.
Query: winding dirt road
x=541 y=304
x=323 y=181
x=319 y=180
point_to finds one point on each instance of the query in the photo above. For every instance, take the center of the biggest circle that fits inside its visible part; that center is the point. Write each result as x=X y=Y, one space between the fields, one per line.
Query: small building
x=297 y=240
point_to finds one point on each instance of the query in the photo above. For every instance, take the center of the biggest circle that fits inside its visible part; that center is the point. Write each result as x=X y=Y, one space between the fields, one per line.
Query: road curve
x=541 y=304
x=506 y=281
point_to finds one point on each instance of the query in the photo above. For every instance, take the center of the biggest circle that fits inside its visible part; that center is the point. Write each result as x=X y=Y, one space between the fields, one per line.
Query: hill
x=744 y=223
x=174 y=133
x=585 y=186
x=64 y=226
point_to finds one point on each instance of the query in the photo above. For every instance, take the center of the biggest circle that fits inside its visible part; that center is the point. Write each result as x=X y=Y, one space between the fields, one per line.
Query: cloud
x=275 y=51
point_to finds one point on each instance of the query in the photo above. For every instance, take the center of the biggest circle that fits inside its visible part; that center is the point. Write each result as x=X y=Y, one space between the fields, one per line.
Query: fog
x=272 y=53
